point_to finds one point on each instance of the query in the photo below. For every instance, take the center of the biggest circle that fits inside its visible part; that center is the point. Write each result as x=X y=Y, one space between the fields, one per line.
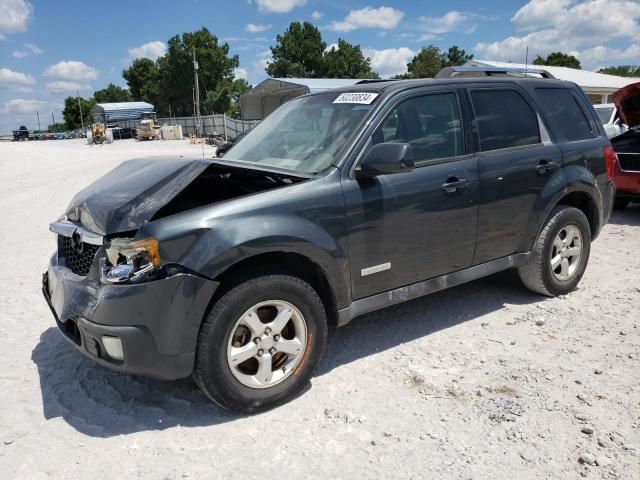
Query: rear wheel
x=260 y=343
x=560 y=254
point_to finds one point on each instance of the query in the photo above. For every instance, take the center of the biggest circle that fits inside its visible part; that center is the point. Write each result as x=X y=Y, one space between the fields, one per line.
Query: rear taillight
x=610 y=159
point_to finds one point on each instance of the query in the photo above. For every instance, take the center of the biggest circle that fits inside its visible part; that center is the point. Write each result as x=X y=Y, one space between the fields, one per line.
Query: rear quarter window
x=504 y=119
x=562 y=106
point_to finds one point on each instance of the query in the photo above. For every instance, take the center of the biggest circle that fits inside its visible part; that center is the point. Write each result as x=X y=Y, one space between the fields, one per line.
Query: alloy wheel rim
x=266 y=344
x=566 y=252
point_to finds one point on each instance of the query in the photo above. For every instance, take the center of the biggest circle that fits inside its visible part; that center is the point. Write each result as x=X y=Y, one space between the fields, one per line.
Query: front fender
x=219 y=243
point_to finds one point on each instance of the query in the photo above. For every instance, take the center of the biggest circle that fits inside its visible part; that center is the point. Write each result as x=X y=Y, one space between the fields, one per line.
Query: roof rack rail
x=376 y=80
x=469 y=71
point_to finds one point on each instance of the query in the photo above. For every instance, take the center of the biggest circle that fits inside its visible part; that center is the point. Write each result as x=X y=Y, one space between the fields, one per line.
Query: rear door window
x=563 y=107
x=504 y=119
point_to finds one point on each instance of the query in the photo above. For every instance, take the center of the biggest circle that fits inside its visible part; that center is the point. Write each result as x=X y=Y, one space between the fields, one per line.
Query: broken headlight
x=130 y=260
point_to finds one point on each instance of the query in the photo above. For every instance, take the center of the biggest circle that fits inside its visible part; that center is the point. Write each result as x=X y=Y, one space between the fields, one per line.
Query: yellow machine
x=98 y=132
x=148 y=129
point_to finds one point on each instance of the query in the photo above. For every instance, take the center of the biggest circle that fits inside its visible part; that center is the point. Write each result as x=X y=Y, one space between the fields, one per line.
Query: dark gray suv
x=337 y=204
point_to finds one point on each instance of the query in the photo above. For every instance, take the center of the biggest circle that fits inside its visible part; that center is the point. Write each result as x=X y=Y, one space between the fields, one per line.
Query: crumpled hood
x=129 y=195
x=627 y=102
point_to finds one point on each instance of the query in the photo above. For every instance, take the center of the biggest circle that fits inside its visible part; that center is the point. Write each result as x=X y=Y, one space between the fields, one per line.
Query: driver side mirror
x=385 y=159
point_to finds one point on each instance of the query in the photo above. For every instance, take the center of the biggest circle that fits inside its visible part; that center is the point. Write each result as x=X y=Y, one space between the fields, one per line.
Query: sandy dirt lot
x=483 y=381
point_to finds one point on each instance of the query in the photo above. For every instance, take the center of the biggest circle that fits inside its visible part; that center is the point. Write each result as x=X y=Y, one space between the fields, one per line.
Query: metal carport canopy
x=268 y=95
x=122 y=110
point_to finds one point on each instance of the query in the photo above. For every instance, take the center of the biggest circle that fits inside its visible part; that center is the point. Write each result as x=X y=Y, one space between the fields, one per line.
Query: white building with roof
x=597 y=86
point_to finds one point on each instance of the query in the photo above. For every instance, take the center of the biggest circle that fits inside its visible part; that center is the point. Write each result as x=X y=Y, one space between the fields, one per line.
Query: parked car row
x=23 y=134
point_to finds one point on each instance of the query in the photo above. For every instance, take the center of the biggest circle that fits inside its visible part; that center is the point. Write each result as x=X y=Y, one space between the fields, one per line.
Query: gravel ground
x=482 y=381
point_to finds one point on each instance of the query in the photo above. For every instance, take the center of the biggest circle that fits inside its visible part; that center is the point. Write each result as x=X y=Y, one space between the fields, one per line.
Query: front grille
x=629 y=161
x=79 y=262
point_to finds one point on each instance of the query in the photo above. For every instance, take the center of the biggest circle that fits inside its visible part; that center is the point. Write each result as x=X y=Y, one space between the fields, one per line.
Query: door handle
x=545 y=166
x=454 y=185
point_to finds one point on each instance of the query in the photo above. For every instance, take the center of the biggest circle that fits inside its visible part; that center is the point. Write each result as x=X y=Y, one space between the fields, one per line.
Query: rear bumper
x=627 y=183
x=156 y=322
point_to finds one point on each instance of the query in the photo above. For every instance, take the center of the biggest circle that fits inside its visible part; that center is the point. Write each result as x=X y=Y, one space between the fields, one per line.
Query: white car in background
x=610 y=119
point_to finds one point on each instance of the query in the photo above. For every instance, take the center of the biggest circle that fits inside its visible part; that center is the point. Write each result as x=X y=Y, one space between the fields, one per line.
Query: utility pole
x=38 y=116
x=80 y=107
x=53 y=119
x=195 y=71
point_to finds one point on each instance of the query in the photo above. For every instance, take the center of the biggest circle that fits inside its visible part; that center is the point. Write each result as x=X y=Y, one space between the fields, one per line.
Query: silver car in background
x=610 y=119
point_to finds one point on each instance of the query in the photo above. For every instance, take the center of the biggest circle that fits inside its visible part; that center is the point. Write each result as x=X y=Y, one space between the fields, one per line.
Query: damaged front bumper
x=156 y=322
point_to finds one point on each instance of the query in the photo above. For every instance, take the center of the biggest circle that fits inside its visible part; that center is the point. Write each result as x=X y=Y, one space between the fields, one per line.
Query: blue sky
x=50 y=49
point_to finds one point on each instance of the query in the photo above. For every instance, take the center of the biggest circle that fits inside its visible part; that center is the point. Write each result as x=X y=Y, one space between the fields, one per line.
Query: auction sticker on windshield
x=361 y=98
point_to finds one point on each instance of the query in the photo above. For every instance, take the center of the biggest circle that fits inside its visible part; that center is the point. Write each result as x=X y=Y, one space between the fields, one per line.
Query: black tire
x=537 y=274
x=212 y=372
x=620 y=203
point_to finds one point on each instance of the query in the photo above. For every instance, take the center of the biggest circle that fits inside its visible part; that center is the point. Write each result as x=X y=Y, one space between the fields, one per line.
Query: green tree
x=71 y=112
x=455 y=57
x=426 y=64
x=143 y=79
x=176 y=70
x=347 y=61
x=226 y=98
x=57 y=127
x=298 y=52
x=622 y=70
x=558 y=59
x=112 y=93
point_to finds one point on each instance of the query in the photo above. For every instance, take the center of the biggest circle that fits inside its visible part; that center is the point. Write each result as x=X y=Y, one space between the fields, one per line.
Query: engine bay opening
x=219 y=183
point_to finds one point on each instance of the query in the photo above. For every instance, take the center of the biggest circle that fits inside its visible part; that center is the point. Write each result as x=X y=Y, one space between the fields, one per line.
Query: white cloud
x=538 y=13
x=256 y=28
x=256 y=73
x=279 y=6
x=72 y=70
x=29 y=49
x=316 y=15
x=391 y=61
x=582 y=29
x=150 y=50
x=19 y=105
x=14 y=16
x=369 y=17
x=240 y=73
x=11 y=78
x=60 y=86
x=600 y=53
x=331 y=46
x=450 y=22
x=263 y=58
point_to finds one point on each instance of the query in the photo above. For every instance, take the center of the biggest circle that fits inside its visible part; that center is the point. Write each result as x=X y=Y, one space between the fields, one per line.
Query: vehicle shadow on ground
x=388 y=328
x=629 y=216
x=102 y=403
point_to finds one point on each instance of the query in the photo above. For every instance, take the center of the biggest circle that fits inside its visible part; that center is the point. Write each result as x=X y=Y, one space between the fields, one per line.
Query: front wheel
x=260 y=343
x=560 y=254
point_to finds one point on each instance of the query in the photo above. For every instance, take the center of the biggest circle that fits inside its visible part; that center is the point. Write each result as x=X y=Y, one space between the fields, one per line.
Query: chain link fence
x=228 y=127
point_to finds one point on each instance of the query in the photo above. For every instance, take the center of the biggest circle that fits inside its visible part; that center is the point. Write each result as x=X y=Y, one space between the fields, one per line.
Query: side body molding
x=416 y=290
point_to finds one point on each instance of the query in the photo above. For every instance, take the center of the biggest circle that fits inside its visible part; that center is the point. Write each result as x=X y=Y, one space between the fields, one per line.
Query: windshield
x=604 y=114
x=306 y=133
